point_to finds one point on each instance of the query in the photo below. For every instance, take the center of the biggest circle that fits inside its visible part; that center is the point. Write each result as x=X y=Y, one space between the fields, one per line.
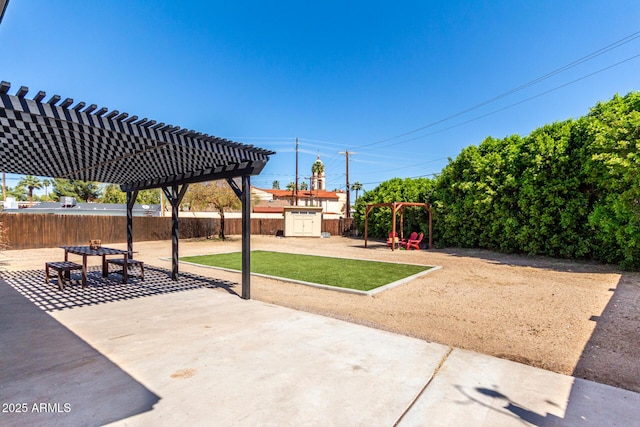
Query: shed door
x=303 y=224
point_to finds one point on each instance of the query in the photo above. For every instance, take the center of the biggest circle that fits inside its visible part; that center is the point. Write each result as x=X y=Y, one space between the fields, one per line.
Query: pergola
x=3 y=7
x=395 y=208
x=74 y=141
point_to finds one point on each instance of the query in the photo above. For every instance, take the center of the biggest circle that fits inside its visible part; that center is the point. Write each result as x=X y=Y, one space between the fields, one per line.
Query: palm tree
x=292 y=187
x=356 y=187
x=275 y=185
x=317 y=169
x=46 y=182
x=317 y=166
x=31 y=182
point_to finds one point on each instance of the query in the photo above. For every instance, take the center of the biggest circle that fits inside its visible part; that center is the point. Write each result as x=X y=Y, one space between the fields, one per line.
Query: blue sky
x=389 y=81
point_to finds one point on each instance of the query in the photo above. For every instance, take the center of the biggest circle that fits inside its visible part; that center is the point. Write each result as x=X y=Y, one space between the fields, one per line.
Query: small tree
x=113 y=194
x=215 y=195
x=19 y=192
x=86 y=191
x=275 y=185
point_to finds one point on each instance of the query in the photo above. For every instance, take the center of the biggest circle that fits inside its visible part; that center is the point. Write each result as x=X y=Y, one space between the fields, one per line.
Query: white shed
x=302 y=221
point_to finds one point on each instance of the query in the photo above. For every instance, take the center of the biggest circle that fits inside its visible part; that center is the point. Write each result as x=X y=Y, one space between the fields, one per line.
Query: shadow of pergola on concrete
x=100 y=290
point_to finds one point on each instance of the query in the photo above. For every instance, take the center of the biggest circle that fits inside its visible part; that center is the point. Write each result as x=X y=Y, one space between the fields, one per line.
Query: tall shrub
x=612 y=136
x=569 y=189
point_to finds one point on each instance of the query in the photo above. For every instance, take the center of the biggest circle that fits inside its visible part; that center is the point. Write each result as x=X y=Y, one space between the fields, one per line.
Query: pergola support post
x=394 y=211
x=244 y=195
x=174 y=231
x=402 y=223
x=246 y=237
x=174 y=195
x=131 y=200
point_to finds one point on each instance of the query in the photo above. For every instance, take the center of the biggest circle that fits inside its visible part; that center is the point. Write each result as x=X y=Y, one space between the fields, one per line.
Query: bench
x=130 y=263
x=63 y=268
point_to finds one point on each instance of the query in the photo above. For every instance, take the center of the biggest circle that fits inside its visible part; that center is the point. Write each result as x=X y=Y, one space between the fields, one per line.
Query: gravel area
x=574 y=318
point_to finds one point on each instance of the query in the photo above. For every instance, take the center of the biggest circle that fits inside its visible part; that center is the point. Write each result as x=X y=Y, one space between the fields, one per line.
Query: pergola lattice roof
x=54 y=139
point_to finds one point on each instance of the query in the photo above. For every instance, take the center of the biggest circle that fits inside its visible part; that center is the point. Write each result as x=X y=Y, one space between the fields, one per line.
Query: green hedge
x=570 y=189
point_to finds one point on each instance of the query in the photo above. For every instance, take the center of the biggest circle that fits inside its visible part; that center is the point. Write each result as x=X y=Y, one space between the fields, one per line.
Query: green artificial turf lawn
x=344 y=273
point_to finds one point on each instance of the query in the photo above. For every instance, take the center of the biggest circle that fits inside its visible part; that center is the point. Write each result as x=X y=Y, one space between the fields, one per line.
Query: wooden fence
x=28 y=231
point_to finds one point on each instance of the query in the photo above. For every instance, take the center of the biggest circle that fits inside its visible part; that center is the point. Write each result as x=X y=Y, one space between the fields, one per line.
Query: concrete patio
x=158 y=352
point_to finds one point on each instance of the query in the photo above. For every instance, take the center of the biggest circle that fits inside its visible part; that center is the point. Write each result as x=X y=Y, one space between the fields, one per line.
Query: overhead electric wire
x=261 y=137
x=322 y=142
x=568 y=66
x=321 y=146
x=408 y=177
x=516 y=103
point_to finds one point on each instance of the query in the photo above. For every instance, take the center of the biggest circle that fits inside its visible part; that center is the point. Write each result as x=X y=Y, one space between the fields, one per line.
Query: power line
x=627 y=39
x=277 y=138
x=514 y=104
x=568 y=66
x=503 y=108
x=348 y=189
x=408 y=177
x=323 y=142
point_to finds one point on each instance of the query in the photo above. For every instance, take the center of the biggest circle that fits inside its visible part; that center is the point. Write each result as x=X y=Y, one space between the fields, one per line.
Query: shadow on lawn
x=100 y=289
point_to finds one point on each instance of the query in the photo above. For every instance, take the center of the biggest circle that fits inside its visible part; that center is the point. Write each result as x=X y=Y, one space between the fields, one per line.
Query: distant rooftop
x=111 y=209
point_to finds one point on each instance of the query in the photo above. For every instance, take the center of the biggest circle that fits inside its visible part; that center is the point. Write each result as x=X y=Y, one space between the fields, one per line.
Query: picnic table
x=104 y=252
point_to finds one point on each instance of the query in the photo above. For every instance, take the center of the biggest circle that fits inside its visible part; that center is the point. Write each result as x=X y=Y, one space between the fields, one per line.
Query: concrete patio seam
x=421 y=392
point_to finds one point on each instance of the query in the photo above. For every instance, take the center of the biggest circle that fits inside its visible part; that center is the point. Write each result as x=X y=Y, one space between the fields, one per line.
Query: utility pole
x=348 y=212
x=310 y=178
x=296 y=171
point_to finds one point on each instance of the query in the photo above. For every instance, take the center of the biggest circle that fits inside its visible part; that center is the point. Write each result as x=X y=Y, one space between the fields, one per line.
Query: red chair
x=415 y=243
x=412 y=236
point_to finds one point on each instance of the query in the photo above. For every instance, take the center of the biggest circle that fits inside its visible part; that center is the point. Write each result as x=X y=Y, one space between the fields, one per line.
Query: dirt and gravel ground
x=574 y=318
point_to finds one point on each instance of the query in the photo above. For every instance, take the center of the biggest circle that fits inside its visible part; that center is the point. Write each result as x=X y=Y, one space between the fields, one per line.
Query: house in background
x=305 y=210
x=332 y=203
x=274 y=201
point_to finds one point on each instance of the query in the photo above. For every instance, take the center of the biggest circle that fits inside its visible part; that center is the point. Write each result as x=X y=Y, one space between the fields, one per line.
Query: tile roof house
x=274 y=201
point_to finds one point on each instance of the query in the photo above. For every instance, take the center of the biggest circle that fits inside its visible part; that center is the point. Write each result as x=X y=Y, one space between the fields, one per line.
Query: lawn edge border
x=370 y=293
x=407 y=279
